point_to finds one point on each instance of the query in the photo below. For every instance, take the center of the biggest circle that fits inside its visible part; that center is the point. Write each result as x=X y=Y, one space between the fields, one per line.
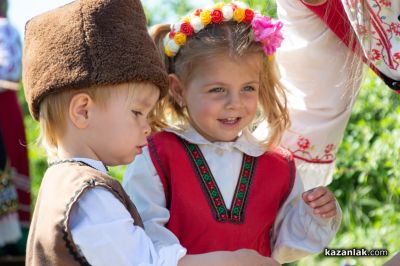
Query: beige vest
x=50 y=241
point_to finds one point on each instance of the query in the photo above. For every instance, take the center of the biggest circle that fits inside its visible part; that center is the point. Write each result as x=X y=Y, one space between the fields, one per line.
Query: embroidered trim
x=66 y=234
x=74 y=161
x=210 y=188
x=303 y=152
x=90 y=183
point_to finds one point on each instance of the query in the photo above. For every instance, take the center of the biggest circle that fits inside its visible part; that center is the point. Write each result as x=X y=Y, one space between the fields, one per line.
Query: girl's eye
x=217 y=89
x=249 y=88
x=136 y=113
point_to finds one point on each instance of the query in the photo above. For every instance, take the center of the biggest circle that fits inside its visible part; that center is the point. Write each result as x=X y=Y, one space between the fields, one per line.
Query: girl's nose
x=234 y=101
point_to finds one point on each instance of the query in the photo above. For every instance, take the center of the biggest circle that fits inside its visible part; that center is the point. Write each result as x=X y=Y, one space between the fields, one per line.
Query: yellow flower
x=168 y=52
x=205 y=17
x=180 y=38
x=238 y=15
x=186 y=20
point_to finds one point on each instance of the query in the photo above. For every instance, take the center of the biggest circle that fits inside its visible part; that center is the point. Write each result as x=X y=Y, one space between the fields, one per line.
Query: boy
x=91 y=76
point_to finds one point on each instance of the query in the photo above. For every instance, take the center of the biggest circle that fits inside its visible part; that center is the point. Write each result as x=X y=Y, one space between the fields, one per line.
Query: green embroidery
x=210 y=187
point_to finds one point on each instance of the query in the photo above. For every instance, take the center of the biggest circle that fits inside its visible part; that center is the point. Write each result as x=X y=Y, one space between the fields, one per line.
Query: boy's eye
x=249 y=88
x=217 y=89
x=136 y=113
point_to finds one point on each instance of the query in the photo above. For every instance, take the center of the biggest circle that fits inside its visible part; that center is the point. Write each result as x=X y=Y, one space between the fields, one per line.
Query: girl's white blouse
x=297 y=232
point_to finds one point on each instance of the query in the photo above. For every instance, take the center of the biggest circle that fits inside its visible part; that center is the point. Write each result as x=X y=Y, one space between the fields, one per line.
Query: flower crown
x=266 y=30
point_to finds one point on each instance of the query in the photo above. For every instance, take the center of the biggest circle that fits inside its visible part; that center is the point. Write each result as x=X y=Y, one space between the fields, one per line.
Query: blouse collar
x=98 y=165
x=245 y=143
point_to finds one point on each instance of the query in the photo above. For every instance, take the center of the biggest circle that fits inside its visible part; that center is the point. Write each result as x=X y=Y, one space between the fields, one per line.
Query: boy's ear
x=79 y=109
x=176 y=89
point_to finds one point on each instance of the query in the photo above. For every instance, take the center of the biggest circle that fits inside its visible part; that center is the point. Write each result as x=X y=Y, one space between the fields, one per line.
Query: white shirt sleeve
x=320 y=75
x=297 y=231
x=144 y=186
x=104 y=232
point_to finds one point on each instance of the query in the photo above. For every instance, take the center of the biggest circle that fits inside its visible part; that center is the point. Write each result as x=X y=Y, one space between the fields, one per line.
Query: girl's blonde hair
x=233 y=39
x=54 y=110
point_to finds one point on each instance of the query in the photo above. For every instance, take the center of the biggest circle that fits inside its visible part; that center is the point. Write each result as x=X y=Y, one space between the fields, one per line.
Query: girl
x=213 y=185
x=319 y=32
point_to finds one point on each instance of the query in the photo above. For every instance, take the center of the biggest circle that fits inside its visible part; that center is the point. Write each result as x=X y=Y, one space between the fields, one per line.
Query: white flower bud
x=227 y=11
x=172 y=46
x=196 y=23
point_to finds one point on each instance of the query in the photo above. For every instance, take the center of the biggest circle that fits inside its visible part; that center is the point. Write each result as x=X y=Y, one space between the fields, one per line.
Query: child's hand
x=322 y=201
x=253 y=258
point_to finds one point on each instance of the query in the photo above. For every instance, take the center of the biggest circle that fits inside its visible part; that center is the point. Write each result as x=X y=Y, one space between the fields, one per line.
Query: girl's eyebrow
x=223 y=83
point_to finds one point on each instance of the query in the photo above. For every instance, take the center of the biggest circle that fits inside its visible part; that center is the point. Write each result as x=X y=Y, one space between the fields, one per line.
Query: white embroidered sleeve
x=297 y=231
x=103 y=231
x=144 y=187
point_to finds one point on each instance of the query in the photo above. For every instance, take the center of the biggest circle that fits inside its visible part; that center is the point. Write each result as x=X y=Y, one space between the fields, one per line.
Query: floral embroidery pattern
x=382 y=39
x=236 y=213
x=304 y=152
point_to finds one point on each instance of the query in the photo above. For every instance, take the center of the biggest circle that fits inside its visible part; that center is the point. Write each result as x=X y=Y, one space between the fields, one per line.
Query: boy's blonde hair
x=233 y=39
x=53 y=113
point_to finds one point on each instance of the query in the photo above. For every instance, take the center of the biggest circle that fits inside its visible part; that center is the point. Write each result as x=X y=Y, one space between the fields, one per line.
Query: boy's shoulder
x=75 y=175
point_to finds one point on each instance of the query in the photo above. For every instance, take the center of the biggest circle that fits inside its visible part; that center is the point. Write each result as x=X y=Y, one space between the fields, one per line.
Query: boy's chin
x=124 y=161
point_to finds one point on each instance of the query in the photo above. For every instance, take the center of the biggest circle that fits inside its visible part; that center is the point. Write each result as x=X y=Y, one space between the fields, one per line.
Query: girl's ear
x=176 y=89
x=79 y=108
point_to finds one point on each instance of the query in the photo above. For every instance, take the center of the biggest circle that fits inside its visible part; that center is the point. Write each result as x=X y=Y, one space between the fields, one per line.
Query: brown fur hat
x=87 y=43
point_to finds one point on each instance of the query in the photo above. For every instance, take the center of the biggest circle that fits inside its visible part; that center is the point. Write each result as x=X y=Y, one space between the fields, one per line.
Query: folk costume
x=82 y=215
x=321 y=39
x=79 y=207
x=224 y=196
x=374 y=27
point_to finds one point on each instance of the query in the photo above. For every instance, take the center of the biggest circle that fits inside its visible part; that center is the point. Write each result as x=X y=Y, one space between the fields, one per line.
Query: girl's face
x=222 y=96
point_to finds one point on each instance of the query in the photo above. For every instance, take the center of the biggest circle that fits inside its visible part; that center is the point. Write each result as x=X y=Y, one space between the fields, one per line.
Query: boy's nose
x=146 y=129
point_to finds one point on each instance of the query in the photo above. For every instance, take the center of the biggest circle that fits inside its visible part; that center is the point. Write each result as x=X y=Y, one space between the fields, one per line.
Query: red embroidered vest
x=199 y=217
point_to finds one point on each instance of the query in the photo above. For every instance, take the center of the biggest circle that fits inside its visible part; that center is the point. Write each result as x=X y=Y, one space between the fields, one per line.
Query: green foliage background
x=367 y=178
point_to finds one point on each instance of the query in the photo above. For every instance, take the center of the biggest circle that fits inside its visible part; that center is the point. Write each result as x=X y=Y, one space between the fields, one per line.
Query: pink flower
x=268 y=32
